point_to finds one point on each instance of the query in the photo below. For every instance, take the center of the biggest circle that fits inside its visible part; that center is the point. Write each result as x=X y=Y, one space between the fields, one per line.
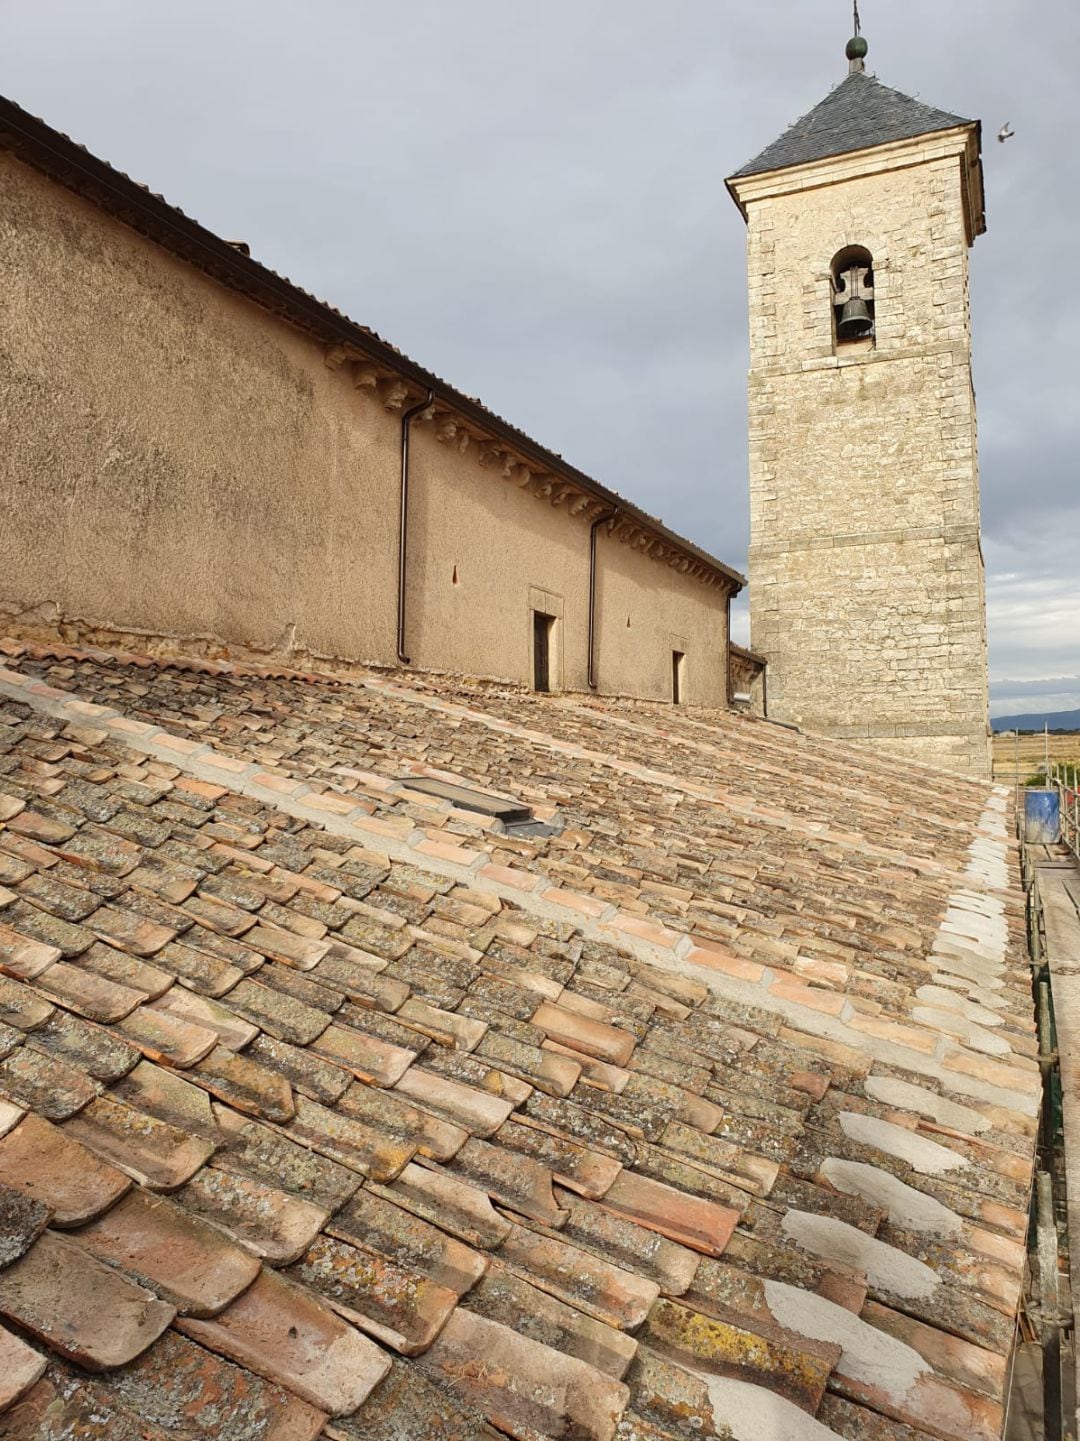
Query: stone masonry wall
x=866 y=573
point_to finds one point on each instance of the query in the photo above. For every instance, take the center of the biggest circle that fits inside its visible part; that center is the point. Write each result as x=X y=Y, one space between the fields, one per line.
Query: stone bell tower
x=866 y=572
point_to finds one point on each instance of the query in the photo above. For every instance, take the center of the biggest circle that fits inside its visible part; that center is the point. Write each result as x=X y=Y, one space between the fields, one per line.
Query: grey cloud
x=1064 y=685
x=530 y=200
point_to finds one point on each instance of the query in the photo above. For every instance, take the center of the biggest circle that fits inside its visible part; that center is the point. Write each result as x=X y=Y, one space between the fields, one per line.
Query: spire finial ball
x=856 y=48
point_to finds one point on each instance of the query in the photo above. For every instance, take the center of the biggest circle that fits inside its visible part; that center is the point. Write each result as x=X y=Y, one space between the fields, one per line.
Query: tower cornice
x=963 y=141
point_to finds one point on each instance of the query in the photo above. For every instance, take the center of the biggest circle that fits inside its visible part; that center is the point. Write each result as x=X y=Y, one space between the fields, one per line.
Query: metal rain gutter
x=593 y=529
x=407 y=418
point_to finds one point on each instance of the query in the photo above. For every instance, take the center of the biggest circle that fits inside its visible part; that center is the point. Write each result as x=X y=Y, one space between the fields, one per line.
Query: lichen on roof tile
x=519 y=1164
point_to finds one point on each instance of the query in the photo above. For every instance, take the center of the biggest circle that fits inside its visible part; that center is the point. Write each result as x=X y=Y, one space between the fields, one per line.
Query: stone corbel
x=447 y=426
x=579 y=503
x=489 y=453
x=336 y=356
x=393 y=393
x=563 y=493
x=365 y=377
x=520 y=474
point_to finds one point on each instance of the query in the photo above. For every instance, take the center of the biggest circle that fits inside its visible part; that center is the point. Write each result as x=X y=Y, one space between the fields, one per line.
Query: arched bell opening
x=853 y=295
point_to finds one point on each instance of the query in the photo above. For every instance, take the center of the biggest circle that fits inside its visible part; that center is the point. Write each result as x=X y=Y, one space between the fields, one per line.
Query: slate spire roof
x=859 y=113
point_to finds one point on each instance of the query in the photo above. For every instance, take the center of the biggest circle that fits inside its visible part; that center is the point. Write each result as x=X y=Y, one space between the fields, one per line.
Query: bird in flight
x=1006 y=132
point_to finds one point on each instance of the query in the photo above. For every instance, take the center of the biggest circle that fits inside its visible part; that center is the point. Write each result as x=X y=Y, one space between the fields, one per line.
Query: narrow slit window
x=678 y=676
x=543 y=647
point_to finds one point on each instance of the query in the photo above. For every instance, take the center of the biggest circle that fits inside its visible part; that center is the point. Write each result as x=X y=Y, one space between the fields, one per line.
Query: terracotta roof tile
x=594 y=1178
x=56 y=1406
x=21 y=956
x=269 y=1222
x=458 y=1206
x=511 y=1300
x=22 y=1219
x=154 y=1153
x=398 y=1306
x=20 y=1368
x=372 y=1221
x=189 y=1393
x=405 y=1406
x=367 y=1150
x=187 y=1263
x=285 y=1334
x=523 y=1385
x=52 y=1168
x=79 y=1307
x=161 y=1036
x=50 y=1086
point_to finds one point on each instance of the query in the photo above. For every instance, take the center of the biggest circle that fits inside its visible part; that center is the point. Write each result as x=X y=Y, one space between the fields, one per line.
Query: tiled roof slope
x=859 y=113
x=326 y=1108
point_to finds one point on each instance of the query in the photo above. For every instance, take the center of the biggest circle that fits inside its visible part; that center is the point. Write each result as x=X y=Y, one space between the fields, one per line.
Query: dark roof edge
x=745 y=653
x=739 y=175
x=72 y=165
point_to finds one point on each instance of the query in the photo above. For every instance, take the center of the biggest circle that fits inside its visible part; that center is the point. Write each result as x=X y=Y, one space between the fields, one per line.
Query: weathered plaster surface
x=182 y=470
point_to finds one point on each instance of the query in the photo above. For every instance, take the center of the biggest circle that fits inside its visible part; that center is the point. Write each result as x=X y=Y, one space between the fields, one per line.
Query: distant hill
x=1058 y=720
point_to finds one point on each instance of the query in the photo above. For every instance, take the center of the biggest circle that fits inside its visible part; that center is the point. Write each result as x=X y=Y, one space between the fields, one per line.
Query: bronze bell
x=855 y=322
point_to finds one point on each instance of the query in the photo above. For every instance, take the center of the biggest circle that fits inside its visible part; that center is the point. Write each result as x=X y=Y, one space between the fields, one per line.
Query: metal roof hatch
x=514 y=817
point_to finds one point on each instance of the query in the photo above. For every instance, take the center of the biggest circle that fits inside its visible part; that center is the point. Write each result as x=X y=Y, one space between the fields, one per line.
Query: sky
x=529 y=200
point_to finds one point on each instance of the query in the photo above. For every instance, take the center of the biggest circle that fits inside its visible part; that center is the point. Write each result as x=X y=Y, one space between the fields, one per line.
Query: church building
x=203 y=457
x=866 y=570
x=199 y=456
x=395 y=1049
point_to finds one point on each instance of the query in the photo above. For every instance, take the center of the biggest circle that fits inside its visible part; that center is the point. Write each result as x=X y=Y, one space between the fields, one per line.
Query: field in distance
x=1031 y=750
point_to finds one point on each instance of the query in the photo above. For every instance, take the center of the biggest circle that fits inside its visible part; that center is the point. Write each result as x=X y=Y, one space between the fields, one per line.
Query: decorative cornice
x=68 y=164
x=503 y=462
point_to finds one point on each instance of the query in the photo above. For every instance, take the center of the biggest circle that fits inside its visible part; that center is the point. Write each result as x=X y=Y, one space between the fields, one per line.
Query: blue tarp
x=1042 y=817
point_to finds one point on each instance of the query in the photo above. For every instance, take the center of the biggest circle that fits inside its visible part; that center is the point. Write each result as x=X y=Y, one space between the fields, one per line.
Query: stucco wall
x=175 y=462
x=866 y=577
x=484 y=553
x=642 y=622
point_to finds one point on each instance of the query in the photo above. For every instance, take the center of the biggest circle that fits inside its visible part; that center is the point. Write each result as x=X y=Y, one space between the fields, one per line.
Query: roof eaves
x=96 y=180
x=745 y=653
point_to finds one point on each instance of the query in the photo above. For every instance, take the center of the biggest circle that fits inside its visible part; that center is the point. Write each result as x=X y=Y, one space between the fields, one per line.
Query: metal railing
x=1065 y=780
x=1046 y=1303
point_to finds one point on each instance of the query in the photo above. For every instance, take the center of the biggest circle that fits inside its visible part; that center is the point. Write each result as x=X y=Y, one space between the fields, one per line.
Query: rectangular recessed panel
x=509 y=812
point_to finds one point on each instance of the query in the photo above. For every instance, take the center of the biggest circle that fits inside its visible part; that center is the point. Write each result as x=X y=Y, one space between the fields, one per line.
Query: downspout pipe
x=729 y=689
x=593 y=530
x=407 y=418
